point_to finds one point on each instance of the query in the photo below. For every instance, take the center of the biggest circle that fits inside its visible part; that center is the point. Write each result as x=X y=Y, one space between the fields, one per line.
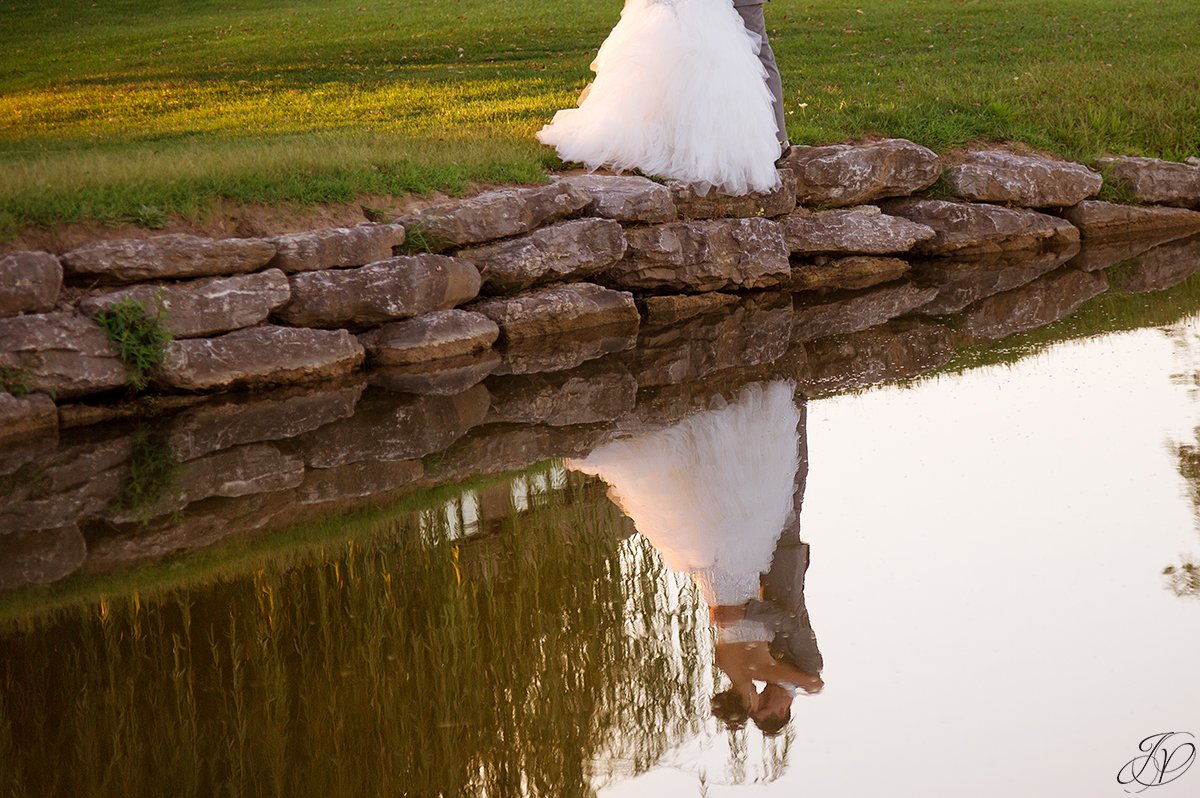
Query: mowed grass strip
x=134 y=109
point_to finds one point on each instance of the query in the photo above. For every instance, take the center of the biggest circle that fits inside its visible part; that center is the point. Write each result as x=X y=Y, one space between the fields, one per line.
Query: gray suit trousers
x=752 y=15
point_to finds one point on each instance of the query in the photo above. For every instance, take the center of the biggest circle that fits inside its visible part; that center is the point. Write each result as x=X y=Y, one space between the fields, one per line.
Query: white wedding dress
x=712 y=492
x=679 y=93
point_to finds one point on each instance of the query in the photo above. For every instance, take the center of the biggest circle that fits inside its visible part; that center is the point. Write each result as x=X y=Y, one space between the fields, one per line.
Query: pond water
x=358 y=590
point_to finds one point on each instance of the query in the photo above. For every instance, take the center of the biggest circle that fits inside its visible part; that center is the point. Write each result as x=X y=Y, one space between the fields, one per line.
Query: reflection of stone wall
x=515 y=387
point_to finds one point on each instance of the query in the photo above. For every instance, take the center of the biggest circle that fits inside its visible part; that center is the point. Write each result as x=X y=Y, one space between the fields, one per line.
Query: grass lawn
x=129 y=110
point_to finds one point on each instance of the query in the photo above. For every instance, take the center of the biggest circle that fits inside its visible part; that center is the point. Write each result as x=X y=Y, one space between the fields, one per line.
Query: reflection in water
x=545 y=657
x=718 y=494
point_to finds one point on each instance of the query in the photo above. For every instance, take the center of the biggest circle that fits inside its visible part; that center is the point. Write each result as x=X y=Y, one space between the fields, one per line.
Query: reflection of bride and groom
x=718 y=494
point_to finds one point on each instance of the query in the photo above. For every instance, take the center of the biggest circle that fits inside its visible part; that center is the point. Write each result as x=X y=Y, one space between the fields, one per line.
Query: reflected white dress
x=679 y=93
x=712 y=492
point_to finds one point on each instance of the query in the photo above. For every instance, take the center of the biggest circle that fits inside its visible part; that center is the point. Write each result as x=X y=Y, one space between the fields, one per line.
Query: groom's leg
x=752 y=16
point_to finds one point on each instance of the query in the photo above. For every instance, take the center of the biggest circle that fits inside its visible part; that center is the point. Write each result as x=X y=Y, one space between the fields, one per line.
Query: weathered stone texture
x=1155 y=182
x=569 y=350
x=446 y=377
x=715 y=205
x=495 y=214
x=558 y=309
x=397 y=288
x=592 y=394
x=962 y=281
x=62 y=354
x=1104 y=220
x=676 y=307
x=702 y=256
x=26 y=415
x=389 y=426
x=851 y=274
x=241 y=471
x=441 y=334
x=624 y=198
x=357 y=480
x=259 y=356
x=29 y=282
x=1037 y=304
x=41 y=557
x=897 y=350
x=846 y=174
x=336 y=248
x=1030 y=181
x=863 y=230
x=565 y=252
x=818 y=318
x=266 y=416
x=970 y=228
x=134 y=260
x=1159 y=268
x=203 y=307
x=753 y=332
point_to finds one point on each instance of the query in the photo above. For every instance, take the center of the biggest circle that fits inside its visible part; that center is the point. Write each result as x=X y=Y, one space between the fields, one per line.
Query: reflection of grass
x=369 y=667
x=110 y=108
x=153 y=469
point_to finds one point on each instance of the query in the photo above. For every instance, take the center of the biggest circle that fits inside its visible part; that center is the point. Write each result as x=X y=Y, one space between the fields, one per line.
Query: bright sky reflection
x=986 y=581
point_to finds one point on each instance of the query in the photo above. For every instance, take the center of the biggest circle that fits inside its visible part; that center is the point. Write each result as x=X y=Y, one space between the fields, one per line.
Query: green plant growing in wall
x=140 y=338
x=153 y=471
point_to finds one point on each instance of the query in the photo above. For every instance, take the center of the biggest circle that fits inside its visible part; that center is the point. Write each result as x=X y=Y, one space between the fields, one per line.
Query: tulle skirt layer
x=679 y=93
x=713 y=492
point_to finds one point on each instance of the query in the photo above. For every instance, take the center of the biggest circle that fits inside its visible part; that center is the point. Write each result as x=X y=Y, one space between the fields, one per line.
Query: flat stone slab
x=845 y=174
x=569 y=350
x=702 y=256
x=862 y=230
x=1155 y=182
x=390 y=426
x=61 y=354
x=1105 y=220
x=495 y=214
x=558 y=309
x=968 y=228
x=1037 y=304
x=595 y=393
x=962 y=281
x=850 y=274
x=899 y=349
x=26 y=415
x=1160 y=268
x=838 y=315
x=41 y=557
x=274 y=415
x=202 y=307
x=336 y=248
x=446 y=377
x=441 y=334
x=564 y=252
x=29 y=282
x=259 y=356
x=1028 y=181
x=357 y=480
x=396 y=288
x=676 y=307
x=715 y=205
x=624 y=198
x=134 y=260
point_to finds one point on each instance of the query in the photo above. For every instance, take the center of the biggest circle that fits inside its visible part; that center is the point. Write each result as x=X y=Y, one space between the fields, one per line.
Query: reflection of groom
x=752 y=14
x=782 y=607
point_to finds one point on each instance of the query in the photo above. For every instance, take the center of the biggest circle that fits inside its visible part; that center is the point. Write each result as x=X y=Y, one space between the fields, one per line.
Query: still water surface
x=995 y=584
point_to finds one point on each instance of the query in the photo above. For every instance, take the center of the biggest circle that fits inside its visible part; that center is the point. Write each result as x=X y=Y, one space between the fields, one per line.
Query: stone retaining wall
x=438 y=290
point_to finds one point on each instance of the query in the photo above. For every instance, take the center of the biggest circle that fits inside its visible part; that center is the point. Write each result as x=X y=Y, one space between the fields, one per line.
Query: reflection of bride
x=713 y=494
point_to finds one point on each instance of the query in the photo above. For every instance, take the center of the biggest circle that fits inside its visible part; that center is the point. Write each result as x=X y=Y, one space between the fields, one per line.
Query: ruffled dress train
x=679 y=93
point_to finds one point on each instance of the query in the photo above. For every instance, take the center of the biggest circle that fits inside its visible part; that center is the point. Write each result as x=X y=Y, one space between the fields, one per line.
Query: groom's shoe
x=785 y=149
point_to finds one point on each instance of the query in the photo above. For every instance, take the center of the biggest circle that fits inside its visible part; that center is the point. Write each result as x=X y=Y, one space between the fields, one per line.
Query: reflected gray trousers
x=752 y=15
